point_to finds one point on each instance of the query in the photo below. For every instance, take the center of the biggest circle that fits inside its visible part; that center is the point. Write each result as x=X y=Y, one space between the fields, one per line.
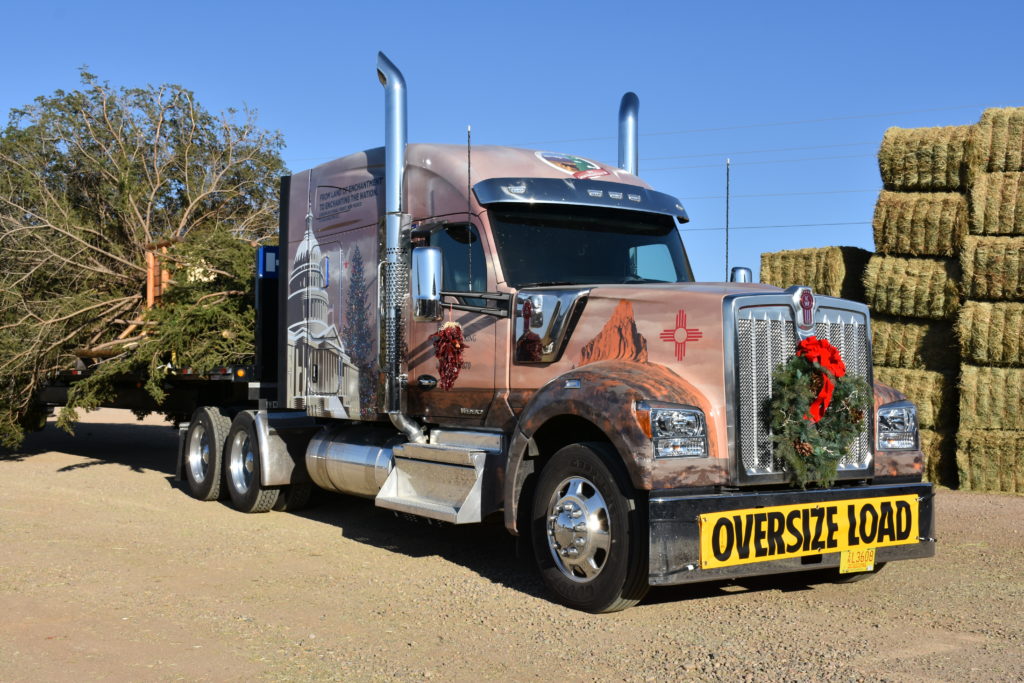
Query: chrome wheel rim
x=199 y=453
x=242 y=462
x=579 y=529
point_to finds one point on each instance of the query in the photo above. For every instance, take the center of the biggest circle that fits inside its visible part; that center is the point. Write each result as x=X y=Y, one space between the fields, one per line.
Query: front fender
x=900 y=464
x=604 y=394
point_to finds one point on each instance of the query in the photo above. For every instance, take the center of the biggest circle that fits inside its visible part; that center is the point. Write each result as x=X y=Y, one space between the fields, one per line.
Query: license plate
x=857 y=560
x=733 y=537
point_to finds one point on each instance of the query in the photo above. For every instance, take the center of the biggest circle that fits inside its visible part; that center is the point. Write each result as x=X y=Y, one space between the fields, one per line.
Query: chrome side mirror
x=426 y=284
x=741 y=274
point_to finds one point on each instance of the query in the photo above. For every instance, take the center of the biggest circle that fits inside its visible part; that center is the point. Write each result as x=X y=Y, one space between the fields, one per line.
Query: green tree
x=358 y=335
x=92 y=179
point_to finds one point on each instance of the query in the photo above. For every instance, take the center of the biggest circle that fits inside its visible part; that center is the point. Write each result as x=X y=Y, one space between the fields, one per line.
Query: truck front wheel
x=204 y=446
x=243 y=462
x=589 y=539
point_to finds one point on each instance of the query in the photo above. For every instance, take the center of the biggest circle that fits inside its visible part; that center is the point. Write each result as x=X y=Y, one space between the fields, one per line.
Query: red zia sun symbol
x=681 y=334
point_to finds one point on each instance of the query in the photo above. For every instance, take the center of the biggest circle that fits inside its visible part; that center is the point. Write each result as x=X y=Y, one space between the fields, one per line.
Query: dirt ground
x=109 y=570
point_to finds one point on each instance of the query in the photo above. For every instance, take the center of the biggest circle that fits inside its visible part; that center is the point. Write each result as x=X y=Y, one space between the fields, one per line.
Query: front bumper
x=675 y=548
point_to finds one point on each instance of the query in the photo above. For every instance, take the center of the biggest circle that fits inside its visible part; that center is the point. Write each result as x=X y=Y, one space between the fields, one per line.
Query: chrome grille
x=766 y=338
x=764 y=344
x=852 y=342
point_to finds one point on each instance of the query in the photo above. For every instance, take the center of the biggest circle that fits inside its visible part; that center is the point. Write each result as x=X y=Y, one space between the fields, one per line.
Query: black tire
x=602 y=567
x=857 y=576
x=204 y=451
x=294 y=497
x=242 y=465
x=34 y=419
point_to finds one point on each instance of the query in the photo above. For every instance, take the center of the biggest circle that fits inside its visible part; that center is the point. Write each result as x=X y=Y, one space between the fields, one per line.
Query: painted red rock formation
x=617 y=340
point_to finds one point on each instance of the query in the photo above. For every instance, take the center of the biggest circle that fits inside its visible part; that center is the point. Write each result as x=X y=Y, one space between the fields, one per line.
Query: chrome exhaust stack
x=629 y=113
x=394 y=278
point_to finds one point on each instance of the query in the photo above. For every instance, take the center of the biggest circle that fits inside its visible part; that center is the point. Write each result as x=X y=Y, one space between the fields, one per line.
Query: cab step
x=442 y=481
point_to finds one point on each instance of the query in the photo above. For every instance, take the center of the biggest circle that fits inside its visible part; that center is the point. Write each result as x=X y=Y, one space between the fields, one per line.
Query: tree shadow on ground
x=486 y=549
x=138 y=446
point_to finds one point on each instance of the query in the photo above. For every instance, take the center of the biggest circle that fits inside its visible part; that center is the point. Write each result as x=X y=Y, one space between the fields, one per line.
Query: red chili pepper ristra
x=448 y=348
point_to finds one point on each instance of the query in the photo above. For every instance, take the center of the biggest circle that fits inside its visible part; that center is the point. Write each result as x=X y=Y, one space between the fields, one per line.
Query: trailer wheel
x=204 y=449
x=294 y=497
x=242 y=462
x=588 y=530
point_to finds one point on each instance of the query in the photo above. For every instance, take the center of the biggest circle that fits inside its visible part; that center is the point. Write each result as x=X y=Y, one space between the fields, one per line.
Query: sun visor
x=578 y=192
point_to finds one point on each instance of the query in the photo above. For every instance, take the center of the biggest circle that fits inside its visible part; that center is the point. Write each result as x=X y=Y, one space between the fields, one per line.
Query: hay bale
x=992 y=333
x=993 y=268
x=997 y=204
x=991 y=398
x=933 y=392
x=997 y=141
x=920 y=223
x=924 y=159
x=831 y=271
x=915 y=344
x=915 y=287
x=990 y=460
x=939 y=448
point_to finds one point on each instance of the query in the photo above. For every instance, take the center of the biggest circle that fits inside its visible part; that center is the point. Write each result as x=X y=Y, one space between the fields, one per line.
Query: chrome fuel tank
x=354 y=460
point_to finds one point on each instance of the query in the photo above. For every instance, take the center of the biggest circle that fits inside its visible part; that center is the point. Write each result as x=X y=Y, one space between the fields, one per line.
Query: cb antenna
x=727 y=165
x=469 y=205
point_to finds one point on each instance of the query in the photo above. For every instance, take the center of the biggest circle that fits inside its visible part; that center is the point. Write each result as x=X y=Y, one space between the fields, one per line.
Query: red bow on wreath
x=821 y=353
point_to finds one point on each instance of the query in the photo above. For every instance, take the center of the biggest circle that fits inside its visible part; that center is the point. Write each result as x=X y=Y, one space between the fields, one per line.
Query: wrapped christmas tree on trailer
x=127 y=224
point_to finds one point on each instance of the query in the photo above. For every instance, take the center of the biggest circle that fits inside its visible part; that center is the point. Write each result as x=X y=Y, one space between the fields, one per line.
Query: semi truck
x=608 y=408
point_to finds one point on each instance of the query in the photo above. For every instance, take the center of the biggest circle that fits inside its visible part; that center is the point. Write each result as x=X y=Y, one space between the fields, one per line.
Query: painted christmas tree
x=358 y=337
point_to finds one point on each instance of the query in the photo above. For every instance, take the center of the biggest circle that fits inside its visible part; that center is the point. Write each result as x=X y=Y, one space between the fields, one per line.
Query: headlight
x=677 y=431
x=897 y=427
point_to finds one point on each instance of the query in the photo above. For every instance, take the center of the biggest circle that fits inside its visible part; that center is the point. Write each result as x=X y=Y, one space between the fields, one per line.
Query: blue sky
x=798 y=95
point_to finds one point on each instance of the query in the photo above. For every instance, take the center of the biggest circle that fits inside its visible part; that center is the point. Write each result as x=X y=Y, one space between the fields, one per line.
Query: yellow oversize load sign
x=736 y=537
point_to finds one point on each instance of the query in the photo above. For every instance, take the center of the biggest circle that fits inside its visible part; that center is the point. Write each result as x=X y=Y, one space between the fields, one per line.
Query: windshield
x=551 y=244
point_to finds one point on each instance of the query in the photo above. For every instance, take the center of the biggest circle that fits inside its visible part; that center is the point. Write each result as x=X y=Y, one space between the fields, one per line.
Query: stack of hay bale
x=946 y=291
x=990 y=442
x=912 y=282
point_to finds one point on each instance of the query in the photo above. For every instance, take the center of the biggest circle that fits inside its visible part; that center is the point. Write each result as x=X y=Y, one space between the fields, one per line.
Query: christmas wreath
x=816 y=411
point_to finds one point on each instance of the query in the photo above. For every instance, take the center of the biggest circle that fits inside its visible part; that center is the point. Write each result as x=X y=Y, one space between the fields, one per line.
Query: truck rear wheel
x=204 y=448
x=243 y=465
x=588 y=532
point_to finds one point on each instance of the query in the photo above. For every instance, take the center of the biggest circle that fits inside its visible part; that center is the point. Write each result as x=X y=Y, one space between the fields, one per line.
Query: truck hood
x=677 y=325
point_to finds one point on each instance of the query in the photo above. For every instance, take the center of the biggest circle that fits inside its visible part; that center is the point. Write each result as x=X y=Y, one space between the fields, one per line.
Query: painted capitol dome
x=322 y=377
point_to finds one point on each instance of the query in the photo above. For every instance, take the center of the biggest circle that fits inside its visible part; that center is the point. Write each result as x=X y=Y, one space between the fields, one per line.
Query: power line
x=720 y=154
x=766 y=161
x=773 y=123
x=759 y=151
x=772 y=227
x=781 y=194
